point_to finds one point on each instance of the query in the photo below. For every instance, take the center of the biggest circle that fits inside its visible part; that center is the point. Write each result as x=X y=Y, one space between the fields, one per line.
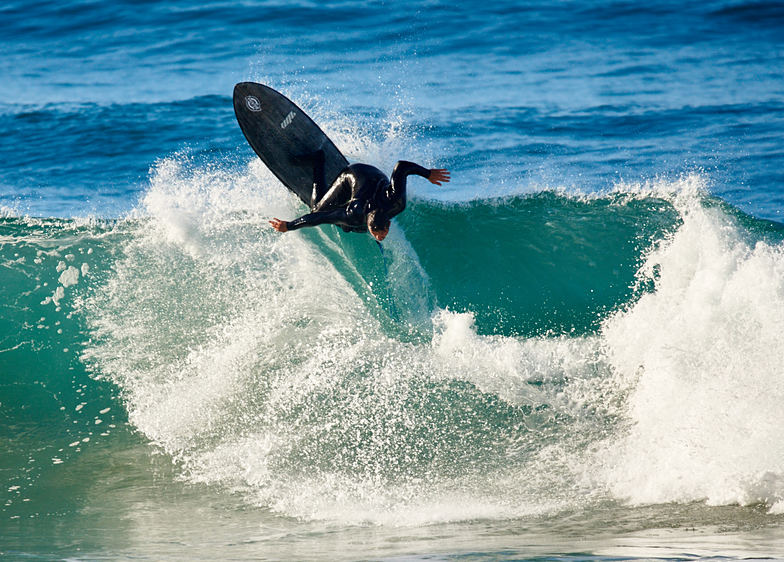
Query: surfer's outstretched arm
x=338 y=216
x=396 y=192
x=404 y=169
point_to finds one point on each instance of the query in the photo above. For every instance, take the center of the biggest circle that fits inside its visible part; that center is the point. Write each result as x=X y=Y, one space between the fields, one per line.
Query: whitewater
x=572 y=351
x=376 y=404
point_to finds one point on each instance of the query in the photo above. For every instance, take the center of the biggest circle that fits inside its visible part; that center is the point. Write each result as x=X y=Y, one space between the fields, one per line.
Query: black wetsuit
x=358 y=190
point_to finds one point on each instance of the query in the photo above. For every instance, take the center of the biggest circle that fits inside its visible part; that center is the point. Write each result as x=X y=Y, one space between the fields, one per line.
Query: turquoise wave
x=544 y=263
x=462 y=355
x=50 y=407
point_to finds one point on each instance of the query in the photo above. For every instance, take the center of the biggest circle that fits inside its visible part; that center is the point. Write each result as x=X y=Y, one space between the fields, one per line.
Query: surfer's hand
x=438 y=175
x=279 y=225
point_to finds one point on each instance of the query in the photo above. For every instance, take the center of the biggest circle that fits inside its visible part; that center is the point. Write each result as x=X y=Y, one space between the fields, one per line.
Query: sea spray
x=224 y=334
x=266 y=364
x=701 y=357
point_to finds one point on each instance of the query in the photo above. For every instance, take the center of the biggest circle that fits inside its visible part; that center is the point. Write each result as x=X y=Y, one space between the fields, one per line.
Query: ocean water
x=573 y=351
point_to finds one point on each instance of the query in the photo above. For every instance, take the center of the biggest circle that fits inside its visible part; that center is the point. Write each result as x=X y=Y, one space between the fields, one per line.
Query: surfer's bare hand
x=438 y=175
x=279 y=225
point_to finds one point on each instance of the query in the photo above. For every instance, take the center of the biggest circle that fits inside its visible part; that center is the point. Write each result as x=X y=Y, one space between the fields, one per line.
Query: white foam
x=700 y=359
x=244 y=354
x=69 y=277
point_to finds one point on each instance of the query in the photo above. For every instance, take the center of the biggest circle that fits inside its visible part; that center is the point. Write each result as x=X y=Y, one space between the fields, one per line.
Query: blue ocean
x=572 y=351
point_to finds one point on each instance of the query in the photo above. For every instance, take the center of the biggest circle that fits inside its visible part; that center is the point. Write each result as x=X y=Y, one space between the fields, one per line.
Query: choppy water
x=572 y=350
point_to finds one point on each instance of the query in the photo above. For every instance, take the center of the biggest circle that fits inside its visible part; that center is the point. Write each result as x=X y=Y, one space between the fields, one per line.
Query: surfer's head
x=378 y=225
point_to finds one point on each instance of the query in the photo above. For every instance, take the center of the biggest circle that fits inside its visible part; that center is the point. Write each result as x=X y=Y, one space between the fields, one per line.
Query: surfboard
x=279 y=132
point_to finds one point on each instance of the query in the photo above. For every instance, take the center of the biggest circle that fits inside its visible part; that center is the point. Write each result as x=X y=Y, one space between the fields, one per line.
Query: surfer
x=361 y=199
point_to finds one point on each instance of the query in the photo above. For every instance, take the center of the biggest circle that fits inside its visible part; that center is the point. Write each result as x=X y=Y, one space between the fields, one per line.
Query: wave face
x=574 y=344
x=638 y=329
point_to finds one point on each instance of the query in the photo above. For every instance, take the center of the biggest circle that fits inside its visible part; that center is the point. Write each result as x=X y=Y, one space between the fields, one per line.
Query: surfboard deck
x=279 y=132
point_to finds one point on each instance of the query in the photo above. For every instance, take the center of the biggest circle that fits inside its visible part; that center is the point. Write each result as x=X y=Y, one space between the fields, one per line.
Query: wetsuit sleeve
x=396 y=194
x=338 y=216
x=404 y=169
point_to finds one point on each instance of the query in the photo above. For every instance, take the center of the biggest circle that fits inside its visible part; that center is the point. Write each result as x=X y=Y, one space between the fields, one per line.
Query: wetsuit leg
x=338 y=195
x=319 y=179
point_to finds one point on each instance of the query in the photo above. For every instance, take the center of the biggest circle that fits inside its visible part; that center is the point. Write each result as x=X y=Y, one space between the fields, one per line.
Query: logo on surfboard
x=287 y=121
x=252 y=103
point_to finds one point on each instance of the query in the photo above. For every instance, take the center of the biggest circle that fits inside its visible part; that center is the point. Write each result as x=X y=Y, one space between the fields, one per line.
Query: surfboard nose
x=285 y=138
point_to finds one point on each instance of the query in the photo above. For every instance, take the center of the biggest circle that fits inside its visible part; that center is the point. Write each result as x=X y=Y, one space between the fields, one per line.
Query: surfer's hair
x=377 y=221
